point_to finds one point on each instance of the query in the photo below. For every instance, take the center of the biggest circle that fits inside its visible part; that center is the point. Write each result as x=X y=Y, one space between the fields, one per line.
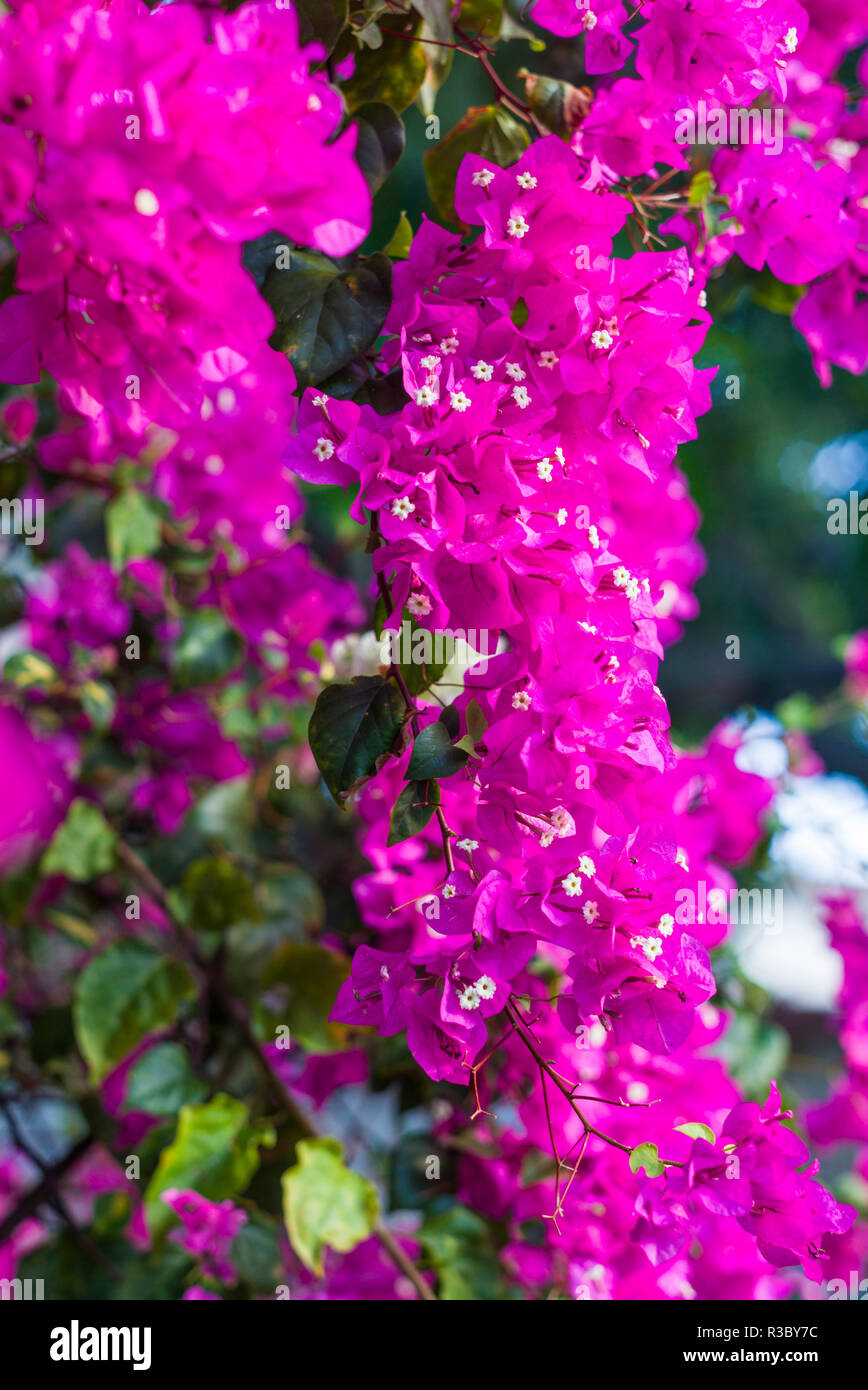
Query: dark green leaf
x=458 y=1244
x=215 y=894
x=299 y=986
x=161 y=1081
x=351 y=727
x=413 y=810
x=434 y=754
x=380 y=141
x=207 y=649
x=488 y=131
x=321 y=21
x=325 y=315
x=392 y=73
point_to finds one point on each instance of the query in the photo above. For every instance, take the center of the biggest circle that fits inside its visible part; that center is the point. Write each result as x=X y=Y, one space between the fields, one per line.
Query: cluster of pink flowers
x=521 y=491
x=527 y=490
x=789 y=193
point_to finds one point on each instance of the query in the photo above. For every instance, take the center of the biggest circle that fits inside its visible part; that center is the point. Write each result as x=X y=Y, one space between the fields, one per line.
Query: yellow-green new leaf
x=325 y=1203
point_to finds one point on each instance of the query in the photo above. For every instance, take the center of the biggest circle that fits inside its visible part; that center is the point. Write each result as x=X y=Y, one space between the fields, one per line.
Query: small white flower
x=324 y=449
x=666 y=924
x=572 y=886
x=521 y=397
x=547 y=358
x=521 y=700
x=517 y=227
x=483 y=177
x=483 y=371
x=562 y=516
x=320 y=400
x=591 y=911
x=384 y=972
x=601 y=338
x=594 y=537
x=449 y=891
x=485 y=987
x=588 y=627
x=526 y=180
x=587 y=866
x=631 y=588
x=790 y=41
x=426 y=396
x=430 y=362
x=646 y=443
x=449 y=345
x=544 y=470
x=146 y=202
x=589 y=19
x=702 y=299
x=515 y=372
x=560 y=455
x=402 y=507
x=651 y=946
x=459 y=401
x=314 y=103
x=469 y=998
x=467 y=845
x=419 y=605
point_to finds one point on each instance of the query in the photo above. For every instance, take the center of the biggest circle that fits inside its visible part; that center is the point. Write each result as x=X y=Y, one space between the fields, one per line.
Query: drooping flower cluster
x=549 y=387
x=761 y=80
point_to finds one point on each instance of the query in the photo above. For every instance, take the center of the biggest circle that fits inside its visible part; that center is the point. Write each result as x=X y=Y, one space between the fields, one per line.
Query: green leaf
x=458 y=1244
x=83 y=847
x=645 y=1156
x=132 y=524
x=392 y=73
x=697 y=1131
x=413 y=810
x=434 y=754
x=701 y=187
x=481 y=17
x=351 y=727
x=438 y=55
x=380 y=141
x=511 y=29
x=559 y=105
x=488 y=131
x=321 y=21
x=215 y=894
x=772 y=294
x=326 y=314
x=31 y=671
x=298 y=989
x=126 y=992
x=161 y=1081
x=206 y=650
x=98 y=702
x=797 y=711
x=215 y=1151
x=325 y=1203
x=402 y=239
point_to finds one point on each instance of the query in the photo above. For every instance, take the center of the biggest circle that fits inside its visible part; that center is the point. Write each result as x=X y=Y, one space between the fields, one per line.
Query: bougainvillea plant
x=365 y=934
